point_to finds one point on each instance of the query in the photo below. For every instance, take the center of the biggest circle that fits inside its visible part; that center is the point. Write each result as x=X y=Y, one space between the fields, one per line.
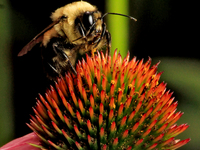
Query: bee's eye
x=88 y=20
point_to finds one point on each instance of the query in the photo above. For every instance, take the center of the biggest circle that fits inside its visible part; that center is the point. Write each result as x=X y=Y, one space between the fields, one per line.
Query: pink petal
x=22 y=143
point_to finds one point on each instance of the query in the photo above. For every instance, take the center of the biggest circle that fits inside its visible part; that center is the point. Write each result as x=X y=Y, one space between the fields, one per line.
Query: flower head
x=112 y=103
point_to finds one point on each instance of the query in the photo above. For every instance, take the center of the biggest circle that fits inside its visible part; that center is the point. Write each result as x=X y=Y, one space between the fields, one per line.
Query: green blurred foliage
x=6 y=112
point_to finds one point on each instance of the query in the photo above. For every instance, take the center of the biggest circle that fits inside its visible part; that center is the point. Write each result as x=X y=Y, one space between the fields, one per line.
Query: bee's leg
x=82 y=30
x=53 y=68
x=108 y=38
x=83 y=34
x=102 y=35
x=62 y=56
x=60 y=53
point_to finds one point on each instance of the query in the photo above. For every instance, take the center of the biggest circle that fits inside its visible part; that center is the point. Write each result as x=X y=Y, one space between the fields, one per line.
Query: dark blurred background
x=166 y=30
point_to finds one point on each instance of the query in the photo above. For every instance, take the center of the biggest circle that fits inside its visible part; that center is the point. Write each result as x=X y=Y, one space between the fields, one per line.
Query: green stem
x=118 y=25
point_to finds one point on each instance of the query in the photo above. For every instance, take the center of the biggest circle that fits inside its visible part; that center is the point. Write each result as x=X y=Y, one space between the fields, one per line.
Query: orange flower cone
x=112 y=103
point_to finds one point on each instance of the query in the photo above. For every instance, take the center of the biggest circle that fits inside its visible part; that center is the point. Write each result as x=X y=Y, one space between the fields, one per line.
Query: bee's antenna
x=119 y=15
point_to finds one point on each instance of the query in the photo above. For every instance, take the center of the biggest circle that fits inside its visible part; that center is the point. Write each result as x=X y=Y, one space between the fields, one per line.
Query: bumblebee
x=76 y=28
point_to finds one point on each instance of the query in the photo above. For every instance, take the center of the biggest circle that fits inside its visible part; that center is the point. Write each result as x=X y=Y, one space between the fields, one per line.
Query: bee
x=76 y=28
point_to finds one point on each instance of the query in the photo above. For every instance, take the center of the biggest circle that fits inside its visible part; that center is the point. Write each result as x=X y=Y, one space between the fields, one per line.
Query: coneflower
x=112 y=103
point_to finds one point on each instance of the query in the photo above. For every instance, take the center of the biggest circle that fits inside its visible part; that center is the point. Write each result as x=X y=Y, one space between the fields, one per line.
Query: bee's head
x=91 y=23
x=95 y=22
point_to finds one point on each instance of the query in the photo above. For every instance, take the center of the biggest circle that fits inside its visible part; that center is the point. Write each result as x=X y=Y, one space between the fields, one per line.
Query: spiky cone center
x=110 y=104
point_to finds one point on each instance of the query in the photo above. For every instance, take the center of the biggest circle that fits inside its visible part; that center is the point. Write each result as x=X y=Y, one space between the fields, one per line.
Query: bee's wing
x=37 y=39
